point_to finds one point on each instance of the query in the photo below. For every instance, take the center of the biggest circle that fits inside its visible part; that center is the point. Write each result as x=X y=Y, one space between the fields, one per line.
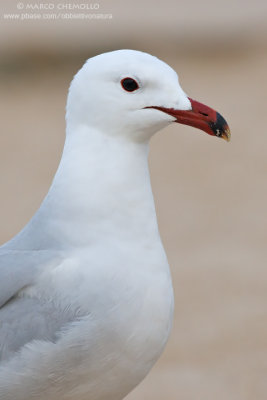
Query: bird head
x=133 y=94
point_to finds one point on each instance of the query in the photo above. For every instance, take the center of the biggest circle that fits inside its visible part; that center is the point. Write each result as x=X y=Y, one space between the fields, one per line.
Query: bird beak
x=201 y=117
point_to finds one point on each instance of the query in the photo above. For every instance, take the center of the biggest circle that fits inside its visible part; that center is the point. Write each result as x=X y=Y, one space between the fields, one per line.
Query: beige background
x=211 y=196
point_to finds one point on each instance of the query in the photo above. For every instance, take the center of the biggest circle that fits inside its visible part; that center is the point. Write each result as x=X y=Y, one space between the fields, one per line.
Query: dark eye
x=129 y=84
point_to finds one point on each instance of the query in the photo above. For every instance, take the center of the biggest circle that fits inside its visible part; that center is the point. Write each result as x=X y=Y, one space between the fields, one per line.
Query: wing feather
x=19 y=268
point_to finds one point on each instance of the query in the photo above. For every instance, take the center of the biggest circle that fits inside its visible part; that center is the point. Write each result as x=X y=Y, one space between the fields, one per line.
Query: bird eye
x=129 y=84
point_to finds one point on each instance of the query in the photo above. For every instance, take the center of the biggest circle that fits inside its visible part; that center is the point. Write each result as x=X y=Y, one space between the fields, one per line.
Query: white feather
x=86 y=290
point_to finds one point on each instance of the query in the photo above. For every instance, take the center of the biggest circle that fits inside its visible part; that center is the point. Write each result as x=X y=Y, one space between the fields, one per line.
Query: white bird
x=85 y=290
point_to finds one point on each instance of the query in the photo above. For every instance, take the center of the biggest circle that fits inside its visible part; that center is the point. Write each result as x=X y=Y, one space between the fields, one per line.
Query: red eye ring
x=129 y=84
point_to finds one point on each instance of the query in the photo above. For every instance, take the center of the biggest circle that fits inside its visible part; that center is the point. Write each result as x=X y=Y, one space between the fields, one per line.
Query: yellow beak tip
x=226 y=135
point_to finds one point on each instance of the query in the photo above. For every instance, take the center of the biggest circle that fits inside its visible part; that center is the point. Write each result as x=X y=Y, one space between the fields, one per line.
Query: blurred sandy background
x=211 y=196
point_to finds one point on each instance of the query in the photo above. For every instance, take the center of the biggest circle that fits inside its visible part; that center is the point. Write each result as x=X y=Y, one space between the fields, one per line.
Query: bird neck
x=102 y=187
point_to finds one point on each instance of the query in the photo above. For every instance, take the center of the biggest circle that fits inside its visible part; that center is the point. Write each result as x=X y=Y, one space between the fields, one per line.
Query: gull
x=86 y=298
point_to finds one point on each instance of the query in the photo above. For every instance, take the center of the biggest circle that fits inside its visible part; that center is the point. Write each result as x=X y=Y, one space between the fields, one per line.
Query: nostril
x=206 y=115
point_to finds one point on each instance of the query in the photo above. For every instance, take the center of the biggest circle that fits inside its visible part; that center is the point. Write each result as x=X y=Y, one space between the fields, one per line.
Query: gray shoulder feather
x=19 y=268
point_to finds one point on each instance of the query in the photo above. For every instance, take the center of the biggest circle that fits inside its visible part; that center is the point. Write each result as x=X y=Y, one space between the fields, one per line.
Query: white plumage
x=85 y=291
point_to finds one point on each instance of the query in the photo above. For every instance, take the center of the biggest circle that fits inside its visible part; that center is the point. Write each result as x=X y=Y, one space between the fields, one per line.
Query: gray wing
x=25 y=319
x=19 y=268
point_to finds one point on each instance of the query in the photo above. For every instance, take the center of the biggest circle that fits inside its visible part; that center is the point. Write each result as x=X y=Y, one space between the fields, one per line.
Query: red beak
x=201 y=117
